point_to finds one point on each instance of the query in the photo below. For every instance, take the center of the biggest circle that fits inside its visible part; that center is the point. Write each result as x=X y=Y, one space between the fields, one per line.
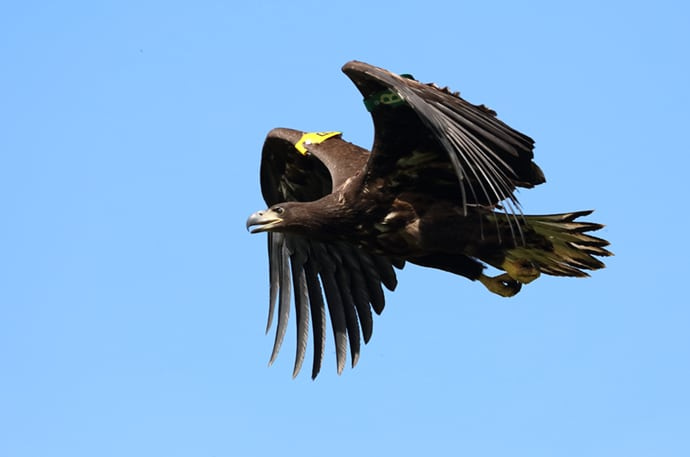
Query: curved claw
x=522 y=270
x=503 y=285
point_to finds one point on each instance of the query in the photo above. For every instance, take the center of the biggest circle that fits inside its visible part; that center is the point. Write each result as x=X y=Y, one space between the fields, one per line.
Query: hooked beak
x=263 y=220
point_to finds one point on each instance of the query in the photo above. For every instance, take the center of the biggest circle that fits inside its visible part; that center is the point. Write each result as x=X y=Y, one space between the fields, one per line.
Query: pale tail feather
x=573 y=249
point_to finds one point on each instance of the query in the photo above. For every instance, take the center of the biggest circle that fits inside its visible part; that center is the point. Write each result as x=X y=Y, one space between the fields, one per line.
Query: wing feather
x=298 y=259
x=336 y=312
x=275 y=241
x=283 y=300
x=359 y=292
x=318 y=315
x=344 y=281
x=373 y=280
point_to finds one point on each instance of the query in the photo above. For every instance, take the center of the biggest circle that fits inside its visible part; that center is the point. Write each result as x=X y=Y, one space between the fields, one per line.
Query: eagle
x=437 y=190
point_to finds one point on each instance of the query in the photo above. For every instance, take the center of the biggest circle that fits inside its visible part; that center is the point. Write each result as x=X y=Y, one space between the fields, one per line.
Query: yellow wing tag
x=313 y=138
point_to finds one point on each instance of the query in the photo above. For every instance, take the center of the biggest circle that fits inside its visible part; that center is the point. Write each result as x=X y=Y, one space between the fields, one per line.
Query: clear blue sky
x=133 y=301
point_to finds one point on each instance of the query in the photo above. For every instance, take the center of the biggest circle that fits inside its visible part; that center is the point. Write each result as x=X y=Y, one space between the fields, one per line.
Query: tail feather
x=571 y=249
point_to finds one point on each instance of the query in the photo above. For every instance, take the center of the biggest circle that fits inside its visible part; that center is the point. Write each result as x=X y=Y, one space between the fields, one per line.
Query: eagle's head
x=268 y=220
x=291 y=217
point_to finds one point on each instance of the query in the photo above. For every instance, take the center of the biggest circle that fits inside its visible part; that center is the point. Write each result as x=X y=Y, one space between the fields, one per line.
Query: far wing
x=290 y=175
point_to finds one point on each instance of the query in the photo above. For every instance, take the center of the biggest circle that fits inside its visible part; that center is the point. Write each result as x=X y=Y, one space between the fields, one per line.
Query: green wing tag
x=385 y=97
x=313 y=138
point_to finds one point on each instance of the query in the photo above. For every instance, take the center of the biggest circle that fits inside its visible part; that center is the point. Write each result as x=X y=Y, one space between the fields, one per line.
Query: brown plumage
x=436 y=190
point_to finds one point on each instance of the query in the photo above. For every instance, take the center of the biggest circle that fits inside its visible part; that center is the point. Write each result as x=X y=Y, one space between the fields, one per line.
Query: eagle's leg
x=503 y=285
x=522 y=270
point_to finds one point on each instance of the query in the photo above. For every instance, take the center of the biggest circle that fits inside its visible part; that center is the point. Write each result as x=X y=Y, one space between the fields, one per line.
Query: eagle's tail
x=557 y=245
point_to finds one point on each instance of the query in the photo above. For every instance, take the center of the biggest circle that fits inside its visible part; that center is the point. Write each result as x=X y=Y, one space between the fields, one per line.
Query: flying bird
x=437 y=189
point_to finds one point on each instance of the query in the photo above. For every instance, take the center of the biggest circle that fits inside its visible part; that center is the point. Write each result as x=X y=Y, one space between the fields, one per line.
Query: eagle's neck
x=330 y=217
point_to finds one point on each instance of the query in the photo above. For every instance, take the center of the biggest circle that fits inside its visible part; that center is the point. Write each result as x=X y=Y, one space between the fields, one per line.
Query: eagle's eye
x=279 y=210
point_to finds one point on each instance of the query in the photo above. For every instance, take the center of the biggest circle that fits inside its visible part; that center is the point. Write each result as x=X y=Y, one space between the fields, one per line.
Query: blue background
x=133 y=301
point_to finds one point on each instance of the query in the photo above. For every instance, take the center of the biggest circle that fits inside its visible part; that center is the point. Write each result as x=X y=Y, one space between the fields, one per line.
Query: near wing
x=421 y=127
x=349 y=277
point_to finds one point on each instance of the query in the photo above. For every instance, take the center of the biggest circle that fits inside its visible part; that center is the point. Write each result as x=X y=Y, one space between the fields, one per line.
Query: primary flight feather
x=436 y=190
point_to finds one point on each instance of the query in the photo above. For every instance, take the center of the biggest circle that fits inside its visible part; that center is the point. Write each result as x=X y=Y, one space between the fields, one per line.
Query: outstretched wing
x=350 y=279
x=431 y=140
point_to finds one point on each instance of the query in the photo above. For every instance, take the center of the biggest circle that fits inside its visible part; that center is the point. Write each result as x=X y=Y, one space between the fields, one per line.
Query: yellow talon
x=503 y=285
x=522 y=270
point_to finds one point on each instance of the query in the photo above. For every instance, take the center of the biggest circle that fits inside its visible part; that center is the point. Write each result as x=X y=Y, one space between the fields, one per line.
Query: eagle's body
x=404 y=225
x=436 y=190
